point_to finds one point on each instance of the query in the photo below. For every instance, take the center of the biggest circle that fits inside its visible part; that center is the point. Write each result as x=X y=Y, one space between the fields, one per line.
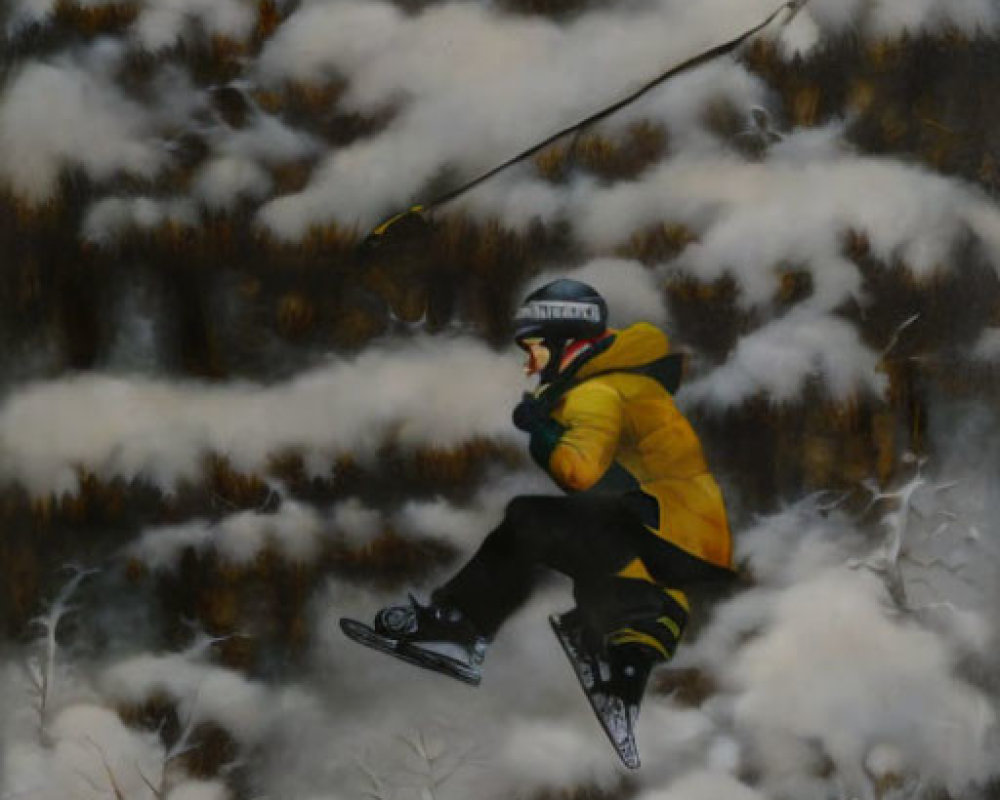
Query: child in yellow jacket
x=642 y=518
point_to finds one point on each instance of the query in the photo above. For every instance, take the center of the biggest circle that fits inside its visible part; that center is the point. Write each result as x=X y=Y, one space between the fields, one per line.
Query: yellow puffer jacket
x=613 y=415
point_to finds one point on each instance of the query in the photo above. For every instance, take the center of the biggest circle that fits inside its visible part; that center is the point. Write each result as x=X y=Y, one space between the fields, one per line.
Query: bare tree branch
x=90 y=781
x=157 y=793
x=112 y=778
x=42 y=670
x=899 y=330
x=377 y=790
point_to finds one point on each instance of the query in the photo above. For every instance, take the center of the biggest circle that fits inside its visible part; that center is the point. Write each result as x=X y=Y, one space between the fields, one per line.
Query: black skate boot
x=630 y=666
x=613 y=678
x=432 y=636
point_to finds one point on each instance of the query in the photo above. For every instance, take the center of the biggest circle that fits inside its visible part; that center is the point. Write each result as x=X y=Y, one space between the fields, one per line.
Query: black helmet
x=562 y=310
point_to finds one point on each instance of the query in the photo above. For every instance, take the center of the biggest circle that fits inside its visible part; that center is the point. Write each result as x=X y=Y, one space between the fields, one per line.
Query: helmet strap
x=564 y=352
x=556 y=348
x=572 y=349
x=577 y=347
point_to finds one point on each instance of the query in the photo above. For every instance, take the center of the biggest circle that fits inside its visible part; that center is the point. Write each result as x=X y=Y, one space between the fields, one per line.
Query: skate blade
x=410 y=653
x=616 y=719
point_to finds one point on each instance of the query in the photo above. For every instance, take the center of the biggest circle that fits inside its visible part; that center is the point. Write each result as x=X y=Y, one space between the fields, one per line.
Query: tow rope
x=415 y=216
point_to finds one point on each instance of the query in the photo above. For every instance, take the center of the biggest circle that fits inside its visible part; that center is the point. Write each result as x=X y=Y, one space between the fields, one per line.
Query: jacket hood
x=636 y=346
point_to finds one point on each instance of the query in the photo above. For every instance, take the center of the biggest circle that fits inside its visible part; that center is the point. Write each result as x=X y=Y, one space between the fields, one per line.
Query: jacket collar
x=641 y=348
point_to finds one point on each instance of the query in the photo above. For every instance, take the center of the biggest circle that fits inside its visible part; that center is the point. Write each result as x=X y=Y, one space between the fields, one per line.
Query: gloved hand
x=530 y=414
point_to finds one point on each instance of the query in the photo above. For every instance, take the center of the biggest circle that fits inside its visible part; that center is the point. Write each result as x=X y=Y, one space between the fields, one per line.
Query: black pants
x=589 y=538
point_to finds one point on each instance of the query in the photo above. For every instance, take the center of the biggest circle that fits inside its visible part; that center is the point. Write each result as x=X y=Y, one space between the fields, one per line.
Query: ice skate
x=431 y=636
x=613 y=683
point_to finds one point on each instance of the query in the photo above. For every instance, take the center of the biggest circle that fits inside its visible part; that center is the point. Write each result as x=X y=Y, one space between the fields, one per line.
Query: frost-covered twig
x=885 y=562
x=112 y=778
x=832 y=505
x=180 y=747
x=896 y=554
x=377 y=788
x=41 y=670
x=432 y=765
x=184 y=744
x=203 y=642
x=155 y=790
x=896 y=333
x=439 y=765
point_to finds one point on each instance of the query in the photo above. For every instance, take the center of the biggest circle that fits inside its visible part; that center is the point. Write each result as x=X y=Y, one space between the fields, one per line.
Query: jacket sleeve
x=592 y=421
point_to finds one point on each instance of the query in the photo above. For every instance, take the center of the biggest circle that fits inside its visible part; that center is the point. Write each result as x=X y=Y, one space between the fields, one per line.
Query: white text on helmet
x=542 y=310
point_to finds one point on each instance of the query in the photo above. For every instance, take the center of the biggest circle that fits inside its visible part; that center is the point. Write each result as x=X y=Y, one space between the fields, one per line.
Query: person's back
x=617 y=415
